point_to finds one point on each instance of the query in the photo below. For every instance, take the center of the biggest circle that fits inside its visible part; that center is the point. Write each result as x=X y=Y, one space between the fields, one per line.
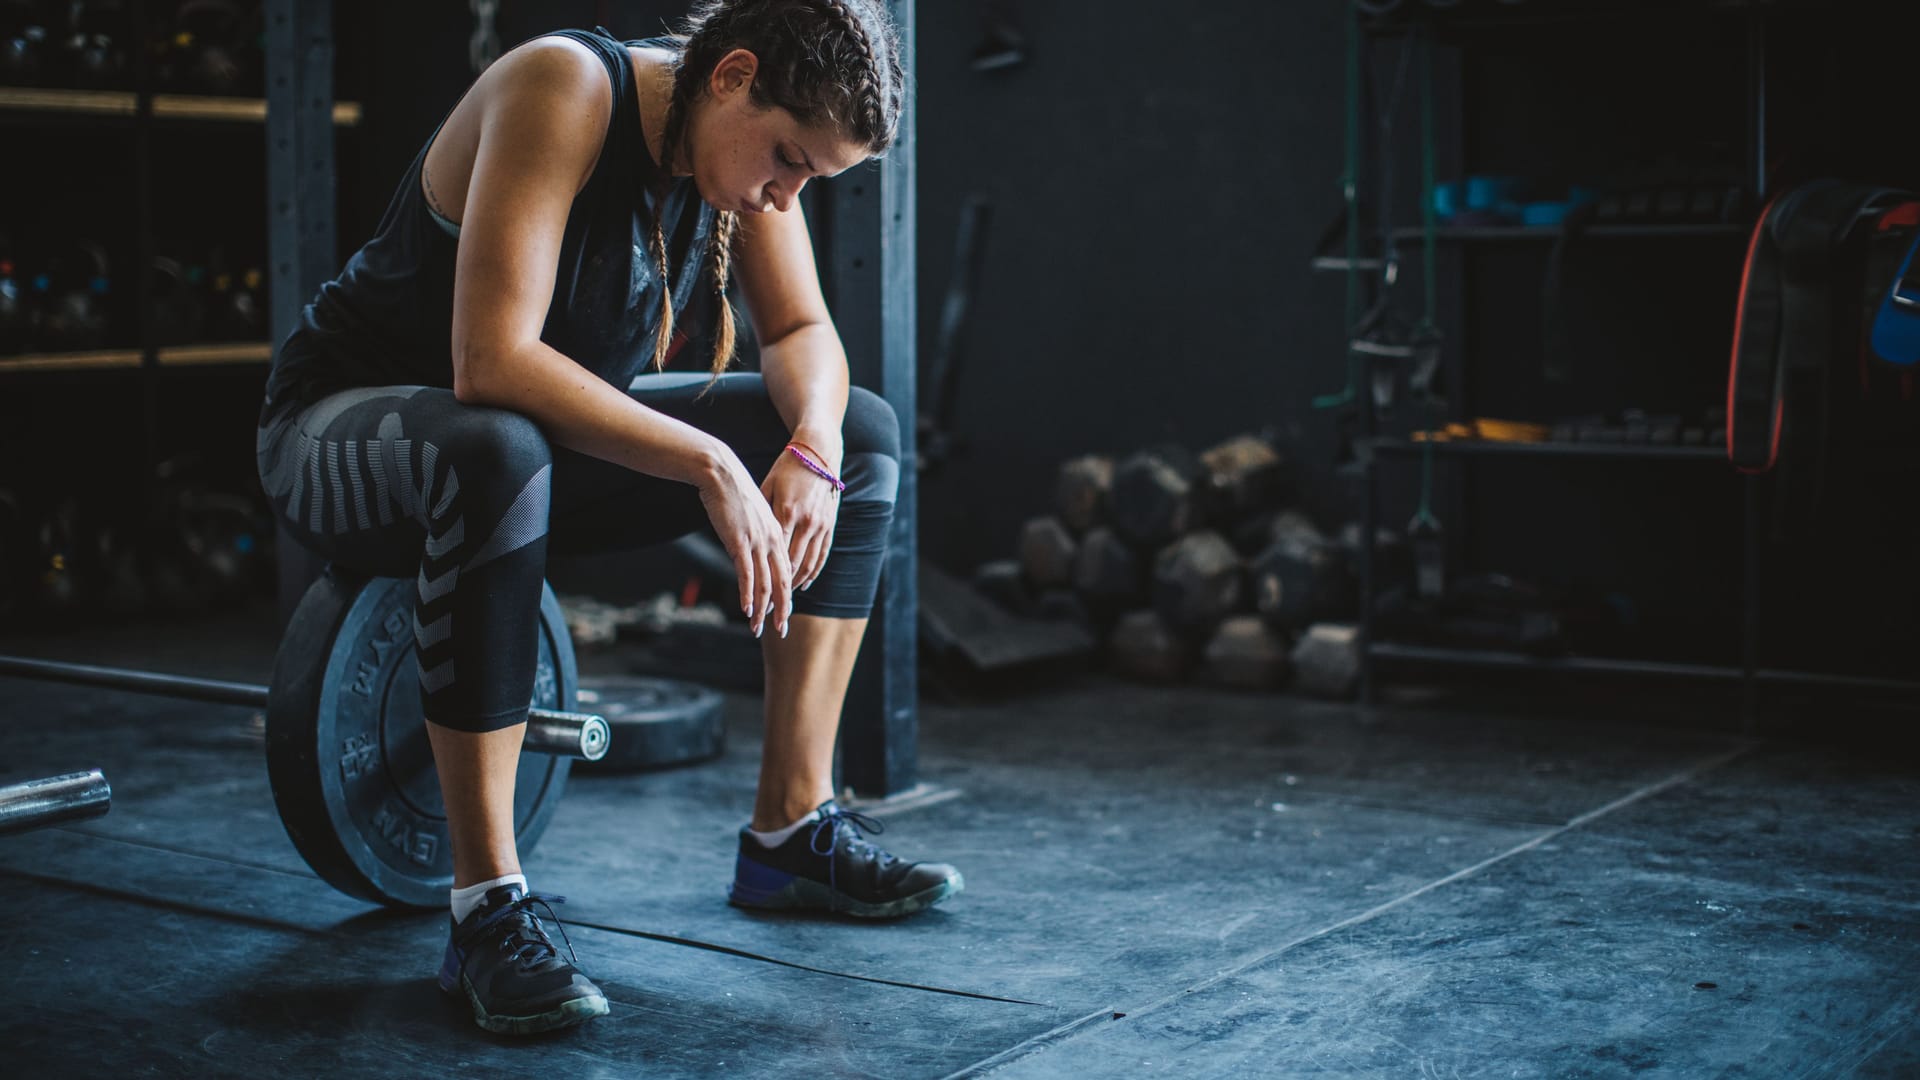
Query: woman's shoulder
x=563 y=67
x=548 y=94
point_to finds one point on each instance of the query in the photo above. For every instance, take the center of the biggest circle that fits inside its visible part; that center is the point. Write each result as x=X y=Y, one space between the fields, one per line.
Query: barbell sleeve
x=581 y=735
x=36 y=804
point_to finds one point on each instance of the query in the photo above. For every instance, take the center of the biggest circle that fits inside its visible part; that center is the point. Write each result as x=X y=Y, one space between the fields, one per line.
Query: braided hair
x=831 y=63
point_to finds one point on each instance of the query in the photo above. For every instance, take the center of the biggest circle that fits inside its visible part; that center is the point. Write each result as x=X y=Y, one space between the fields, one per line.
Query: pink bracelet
x=817 y=469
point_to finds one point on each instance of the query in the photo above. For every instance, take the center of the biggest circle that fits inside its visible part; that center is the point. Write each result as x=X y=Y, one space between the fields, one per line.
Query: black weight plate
x=347 y=748
x=655 y=722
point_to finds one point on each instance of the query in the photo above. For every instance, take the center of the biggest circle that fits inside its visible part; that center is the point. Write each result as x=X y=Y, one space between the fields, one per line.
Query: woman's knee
x=871 y=465
x=871 y=426
x=493 y=447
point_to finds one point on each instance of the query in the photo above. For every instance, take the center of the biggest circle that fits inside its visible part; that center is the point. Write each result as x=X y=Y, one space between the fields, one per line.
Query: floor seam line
x=666 y=939
x=1054 y=1038
x=746 y=954
x=1036 y=1043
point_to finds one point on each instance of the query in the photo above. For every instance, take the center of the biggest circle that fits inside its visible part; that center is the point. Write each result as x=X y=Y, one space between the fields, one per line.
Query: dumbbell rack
x=141 y=115
x=1376 y=451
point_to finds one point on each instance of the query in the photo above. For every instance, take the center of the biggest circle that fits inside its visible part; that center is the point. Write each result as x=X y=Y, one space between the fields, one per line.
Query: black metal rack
x=141 y=114
x=1376 y=450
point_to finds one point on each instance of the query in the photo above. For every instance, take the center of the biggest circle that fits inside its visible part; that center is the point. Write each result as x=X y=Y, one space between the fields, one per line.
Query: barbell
x=347 y=750
x=36 y=804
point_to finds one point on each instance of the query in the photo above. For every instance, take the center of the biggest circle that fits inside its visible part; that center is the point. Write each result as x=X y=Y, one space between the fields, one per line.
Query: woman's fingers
x=779 y=599
x=826 y=549
x=745 y=562
x=805 y=545
x=764 y=599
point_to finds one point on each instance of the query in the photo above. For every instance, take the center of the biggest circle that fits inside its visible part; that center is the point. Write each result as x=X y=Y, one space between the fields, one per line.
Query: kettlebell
x=13 y=555
x=19 y=318
x=90 y=46
x=175 y=307
x=56 y=582
x=236 y=310
x=122 y=582
x=212 y=57
x=23 y=43
x=75 y=315
x=220 y=535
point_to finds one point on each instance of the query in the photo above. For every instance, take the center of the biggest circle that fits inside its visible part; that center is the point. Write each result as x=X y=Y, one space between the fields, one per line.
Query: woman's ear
x=734 y=74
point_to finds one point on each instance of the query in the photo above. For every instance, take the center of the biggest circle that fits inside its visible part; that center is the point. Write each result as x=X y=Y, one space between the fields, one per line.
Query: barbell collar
x=36 y=804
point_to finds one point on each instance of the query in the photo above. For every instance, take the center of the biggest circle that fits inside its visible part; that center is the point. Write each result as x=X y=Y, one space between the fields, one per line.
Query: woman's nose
x=782 y=198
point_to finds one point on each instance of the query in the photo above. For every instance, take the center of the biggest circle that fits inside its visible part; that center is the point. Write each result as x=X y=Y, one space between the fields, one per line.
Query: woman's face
x=752 y=159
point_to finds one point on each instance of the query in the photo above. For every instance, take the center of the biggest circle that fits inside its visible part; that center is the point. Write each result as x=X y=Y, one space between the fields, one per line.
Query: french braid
x=828 y=62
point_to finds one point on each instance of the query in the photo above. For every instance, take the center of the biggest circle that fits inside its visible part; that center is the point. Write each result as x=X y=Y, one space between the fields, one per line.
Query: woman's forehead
x=827 y=149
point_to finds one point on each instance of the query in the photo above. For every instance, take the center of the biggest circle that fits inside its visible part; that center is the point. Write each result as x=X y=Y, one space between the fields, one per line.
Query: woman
x=463 y=395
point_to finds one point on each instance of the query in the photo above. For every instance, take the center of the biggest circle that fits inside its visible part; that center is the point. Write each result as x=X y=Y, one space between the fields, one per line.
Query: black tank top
x=387 y=319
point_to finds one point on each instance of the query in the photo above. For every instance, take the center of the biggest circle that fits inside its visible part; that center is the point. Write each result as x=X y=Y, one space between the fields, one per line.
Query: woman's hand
x=807 y=507
x=757 y=542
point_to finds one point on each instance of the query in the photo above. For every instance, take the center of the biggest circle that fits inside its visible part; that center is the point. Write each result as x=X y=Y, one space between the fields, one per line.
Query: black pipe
x=580 y=735
x=145 y=682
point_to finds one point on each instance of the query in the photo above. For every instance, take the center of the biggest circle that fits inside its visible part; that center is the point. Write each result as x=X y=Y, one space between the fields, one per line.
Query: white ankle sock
x=465 y=900
x=780 y=836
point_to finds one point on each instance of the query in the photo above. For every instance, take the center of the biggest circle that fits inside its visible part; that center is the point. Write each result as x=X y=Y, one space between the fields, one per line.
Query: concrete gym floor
x=1159 y=883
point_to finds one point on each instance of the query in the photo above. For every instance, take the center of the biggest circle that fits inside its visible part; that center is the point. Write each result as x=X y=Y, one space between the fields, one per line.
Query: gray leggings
x=407 y=481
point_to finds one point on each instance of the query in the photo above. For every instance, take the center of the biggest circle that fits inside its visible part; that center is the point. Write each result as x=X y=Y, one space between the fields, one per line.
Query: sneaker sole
x=568 y=1013
x=803 y=894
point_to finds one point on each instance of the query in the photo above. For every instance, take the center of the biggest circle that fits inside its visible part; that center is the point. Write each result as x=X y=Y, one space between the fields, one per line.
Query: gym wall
x=1157 y=185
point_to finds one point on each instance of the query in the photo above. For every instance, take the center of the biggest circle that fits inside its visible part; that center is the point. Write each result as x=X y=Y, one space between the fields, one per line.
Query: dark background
x=1159 y=180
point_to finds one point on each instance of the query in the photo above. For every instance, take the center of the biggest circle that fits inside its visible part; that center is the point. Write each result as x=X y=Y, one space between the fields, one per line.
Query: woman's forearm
x=806 y=376
x=580 y=411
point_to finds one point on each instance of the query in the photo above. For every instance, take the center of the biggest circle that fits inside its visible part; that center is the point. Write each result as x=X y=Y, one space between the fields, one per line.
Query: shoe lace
x=529 y=942
x=845 y=826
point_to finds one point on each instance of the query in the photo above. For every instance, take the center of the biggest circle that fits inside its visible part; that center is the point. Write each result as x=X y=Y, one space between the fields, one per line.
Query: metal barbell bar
x=549 y=731
x=35 y=804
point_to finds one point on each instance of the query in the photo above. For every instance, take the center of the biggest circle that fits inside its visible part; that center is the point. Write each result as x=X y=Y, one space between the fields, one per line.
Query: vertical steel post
x=144 y=247
x=1757 y=149
x=868 y=264
x=300 y=181
x=301 y=238
x=1357 y=383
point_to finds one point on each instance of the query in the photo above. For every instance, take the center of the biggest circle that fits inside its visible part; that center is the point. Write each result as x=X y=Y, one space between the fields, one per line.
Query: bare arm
x=541 y=128
x=801 y=357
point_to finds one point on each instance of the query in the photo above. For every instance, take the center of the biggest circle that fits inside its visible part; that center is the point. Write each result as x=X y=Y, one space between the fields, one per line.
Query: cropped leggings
x=406 y=481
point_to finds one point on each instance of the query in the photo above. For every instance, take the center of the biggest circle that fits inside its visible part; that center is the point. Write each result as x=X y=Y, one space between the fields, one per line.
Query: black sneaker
x=829 y=865
x=501 y=959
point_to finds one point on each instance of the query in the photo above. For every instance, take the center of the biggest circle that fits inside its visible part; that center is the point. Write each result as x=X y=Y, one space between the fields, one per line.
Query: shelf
x=165 y=106
x=1450 y=20
x=1335 y=263
x=1489 y=658
x=234 y=353
x=1611 y=451
x=1549 y=233
x=1522 y=234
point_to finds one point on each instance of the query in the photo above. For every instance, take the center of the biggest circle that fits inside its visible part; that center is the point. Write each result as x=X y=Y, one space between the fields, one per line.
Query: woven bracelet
x=818 y=470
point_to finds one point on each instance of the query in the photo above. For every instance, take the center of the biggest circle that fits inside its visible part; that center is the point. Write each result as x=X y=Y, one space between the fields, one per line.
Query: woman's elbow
x=475 y=373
